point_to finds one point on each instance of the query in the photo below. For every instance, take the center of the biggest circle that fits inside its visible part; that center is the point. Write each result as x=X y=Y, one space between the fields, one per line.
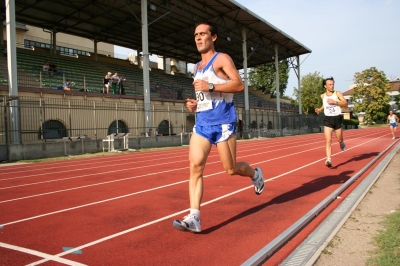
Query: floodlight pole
x=12 y=72
x=146 y=79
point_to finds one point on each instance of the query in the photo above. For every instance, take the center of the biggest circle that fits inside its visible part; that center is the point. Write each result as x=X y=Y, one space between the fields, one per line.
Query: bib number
x=204 y=101
x=331 y=110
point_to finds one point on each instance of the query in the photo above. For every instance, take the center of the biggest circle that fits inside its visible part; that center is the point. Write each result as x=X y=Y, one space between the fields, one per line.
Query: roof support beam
x=246 y=85
x=146 y=79
x=12 y=72
x=278 y=96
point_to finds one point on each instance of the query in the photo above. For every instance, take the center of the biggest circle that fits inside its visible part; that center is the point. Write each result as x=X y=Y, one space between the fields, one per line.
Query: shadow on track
x=304 y=190
x=357 y=158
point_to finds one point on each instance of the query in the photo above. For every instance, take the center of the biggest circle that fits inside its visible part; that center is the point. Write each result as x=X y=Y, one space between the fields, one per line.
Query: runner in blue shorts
x=332 y=101
x=215 y=82
x=392 y=119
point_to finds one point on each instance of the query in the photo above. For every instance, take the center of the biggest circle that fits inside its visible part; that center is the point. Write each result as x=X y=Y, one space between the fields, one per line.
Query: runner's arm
x=319 y=110
x=224 y=68
x=342 y=101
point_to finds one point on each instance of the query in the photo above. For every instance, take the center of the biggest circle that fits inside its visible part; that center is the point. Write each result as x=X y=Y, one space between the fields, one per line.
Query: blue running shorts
x=217 y=133
x=393 y=124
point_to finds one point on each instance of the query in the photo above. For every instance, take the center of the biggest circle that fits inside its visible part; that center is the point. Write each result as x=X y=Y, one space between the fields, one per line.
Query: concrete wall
x=62 y=148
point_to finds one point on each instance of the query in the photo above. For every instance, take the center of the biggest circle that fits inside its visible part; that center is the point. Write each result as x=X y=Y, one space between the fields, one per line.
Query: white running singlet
x=331 y=110
x=213 y=108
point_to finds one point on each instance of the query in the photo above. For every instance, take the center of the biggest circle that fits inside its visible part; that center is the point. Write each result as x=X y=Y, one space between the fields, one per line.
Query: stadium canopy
x=170 y=26
x=161 y=27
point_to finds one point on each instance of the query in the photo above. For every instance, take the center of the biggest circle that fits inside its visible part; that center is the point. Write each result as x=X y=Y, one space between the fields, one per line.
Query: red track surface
x=118 y=210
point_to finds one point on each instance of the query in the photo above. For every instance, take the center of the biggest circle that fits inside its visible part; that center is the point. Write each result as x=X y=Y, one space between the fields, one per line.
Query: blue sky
x=345 y=36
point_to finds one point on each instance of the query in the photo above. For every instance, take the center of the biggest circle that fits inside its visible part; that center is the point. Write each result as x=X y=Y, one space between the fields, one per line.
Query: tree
x=397 y=100
x=263 y=77
x=371 y=93
x=311 y=90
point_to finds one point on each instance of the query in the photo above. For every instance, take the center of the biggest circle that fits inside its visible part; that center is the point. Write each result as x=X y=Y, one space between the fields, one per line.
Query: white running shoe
x=343 y=146
x=328 y=162
x=259 y=182
x=394 y=138
x=190 y=223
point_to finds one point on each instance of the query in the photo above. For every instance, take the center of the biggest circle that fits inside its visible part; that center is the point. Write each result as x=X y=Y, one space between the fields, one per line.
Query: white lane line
x=91 y=185
x=46 y=256
x=119 y=164
x=180 y=182
x=128 y=169
x=177 y=213
x=94 y=203
x=128 y=178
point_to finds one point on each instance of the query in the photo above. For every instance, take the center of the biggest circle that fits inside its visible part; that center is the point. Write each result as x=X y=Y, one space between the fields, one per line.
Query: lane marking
x=100 y=166
x=128 y=169
x=43 y=255
x=184 y=181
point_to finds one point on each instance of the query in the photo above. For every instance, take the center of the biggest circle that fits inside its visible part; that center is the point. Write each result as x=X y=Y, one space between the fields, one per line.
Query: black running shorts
x=334 y=122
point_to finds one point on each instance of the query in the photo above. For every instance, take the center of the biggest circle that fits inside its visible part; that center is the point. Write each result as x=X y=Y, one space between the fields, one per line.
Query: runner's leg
x=227 y=154
x=198 y=153
x=328 y=138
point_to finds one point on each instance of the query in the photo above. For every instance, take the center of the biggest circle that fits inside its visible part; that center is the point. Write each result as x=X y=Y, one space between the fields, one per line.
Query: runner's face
x=330 y=85
x=204 y=40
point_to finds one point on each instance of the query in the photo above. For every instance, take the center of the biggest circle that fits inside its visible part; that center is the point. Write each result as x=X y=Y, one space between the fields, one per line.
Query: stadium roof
x=170 y=30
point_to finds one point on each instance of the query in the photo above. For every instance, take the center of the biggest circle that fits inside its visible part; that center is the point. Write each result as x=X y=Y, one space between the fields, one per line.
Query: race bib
x=204 y=101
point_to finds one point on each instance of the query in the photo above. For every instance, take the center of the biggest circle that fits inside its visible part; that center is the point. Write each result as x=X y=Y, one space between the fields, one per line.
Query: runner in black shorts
x=334 y=122
x=332 y=101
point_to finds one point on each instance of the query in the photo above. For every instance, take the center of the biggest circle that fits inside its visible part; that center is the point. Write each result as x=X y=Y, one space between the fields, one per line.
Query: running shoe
x=190 y=223
x=259 y=182
x=343 y=146
x=328 y=162
x=394 y=138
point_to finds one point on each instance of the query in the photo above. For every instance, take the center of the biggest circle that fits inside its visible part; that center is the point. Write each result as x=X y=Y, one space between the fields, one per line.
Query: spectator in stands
x=157 y=133
x=107 y=82
x=240 y=128
x=68 y=85
x=115 y=82
x=150 y=133
x=261 y=124
x=121 y=85
x=179 y=94
x=53 y=68
x=46 y=68
x=152 y=89
x=253 y=125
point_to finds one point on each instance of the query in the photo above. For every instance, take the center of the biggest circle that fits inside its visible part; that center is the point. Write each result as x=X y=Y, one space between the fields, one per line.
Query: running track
x=118 y=210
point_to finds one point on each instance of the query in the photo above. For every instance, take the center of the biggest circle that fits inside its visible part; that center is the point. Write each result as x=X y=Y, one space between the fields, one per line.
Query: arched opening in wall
x=53 y=129
x=113 y=129
x=164 y=128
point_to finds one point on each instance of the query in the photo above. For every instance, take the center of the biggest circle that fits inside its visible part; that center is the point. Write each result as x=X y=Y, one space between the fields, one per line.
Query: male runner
x=215 y=81
x=392 y=120
x=332 y=101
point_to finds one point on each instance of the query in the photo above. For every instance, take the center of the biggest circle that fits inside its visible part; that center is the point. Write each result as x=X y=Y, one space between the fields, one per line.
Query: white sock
x=255 y=175
x=195 y=212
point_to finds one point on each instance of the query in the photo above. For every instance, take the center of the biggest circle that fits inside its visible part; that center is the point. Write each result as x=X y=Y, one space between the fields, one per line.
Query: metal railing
x=51 y=119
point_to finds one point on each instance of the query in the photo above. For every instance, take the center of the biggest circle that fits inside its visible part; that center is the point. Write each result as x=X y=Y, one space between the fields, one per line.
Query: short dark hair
x=212 y=26
x=325 y=79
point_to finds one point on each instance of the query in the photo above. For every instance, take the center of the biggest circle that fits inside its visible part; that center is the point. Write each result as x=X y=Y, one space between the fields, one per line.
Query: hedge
x=350 y=123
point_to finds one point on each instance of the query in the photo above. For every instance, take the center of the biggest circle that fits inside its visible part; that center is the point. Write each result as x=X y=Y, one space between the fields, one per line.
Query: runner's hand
x=191 y=104
x=200 y=85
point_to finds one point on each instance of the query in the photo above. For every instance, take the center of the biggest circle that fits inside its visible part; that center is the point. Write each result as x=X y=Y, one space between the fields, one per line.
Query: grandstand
x=88 y=74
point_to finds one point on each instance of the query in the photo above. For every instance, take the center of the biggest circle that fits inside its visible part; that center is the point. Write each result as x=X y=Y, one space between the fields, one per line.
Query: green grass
x=388 y=243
